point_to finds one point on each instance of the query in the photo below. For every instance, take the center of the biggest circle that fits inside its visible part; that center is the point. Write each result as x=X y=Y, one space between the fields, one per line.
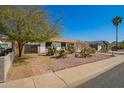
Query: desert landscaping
x=33 y=64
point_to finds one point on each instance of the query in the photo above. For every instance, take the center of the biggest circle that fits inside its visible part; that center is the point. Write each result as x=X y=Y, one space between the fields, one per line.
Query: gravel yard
x=71 y=61
x=32 y=64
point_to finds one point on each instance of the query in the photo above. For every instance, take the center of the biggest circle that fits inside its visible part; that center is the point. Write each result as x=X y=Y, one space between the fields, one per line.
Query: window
x=63 y=44
x=48 y=44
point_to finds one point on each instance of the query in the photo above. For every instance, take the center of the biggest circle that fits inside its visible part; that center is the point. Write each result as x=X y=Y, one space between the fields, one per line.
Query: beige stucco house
x=42 y=47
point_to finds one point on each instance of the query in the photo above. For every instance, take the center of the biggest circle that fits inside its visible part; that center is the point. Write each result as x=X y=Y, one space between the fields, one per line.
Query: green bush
x=113 y=48
x=93 y=50
x=62 y=53
x=86 y=52
x=51 y=50
x=122 y=45
x=104 y=49
x=70 y=48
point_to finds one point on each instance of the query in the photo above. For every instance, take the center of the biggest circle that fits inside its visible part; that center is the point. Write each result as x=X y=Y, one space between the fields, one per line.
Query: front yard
x=32 y=64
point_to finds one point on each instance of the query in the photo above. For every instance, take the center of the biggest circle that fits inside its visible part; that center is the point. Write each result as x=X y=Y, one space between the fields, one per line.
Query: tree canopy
x=26 y=24
x=117 y=20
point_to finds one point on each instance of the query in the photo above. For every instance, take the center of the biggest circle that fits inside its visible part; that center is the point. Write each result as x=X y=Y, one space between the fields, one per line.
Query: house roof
x=63 y=40
x=81 y=43
x=99 y=42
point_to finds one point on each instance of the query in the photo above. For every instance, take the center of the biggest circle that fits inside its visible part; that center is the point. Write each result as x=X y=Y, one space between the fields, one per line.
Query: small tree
x=51 y=50
x=116 y=22
x=86 y=52
x=105 y=47
x=70 y=48
x=27 y=24
x=62 y=53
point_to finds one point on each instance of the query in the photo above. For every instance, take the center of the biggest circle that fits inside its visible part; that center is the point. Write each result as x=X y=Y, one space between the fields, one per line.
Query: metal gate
x=31 y=49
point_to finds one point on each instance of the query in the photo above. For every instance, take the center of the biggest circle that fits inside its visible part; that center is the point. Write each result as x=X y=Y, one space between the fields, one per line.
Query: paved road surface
x=113 y=78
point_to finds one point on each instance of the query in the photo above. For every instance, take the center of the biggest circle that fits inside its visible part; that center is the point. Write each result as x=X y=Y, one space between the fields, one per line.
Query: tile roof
x=63 y=40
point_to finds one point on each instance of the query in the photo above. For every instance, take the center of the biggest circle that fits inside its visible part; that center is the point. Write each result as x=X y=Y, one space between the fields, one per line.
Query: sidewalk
x=70 y=77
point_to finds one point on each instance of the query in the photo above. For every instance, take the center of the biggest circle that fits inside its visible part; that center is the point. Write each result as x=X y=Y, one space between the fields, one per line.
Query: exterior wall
x=5 y=64
x=78 y=48
x=2 y=75
x=99 y=47
x=67 y=44
x=42 y=48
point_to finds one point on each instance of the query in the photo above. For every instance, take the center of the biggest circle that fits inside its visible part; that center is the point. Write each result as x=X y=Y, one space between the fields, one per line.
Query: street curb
x=95 y=74
x=91 y=76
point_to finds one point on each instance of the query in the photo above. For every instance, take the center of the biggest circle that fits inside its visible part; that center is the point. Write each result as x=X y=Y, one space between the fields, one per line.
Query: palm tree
x=116 y=22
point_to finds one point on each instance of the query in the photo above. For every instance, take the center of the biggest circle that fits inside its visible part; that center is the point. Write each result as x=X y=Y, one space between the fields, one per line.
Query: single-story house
x=81 y=44
x=42 y=48
x=98 y=44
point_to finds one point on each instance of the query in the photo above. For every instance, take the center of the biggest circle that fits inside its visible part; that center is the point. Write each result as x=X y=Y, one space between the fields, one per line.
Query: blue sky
x=88 y=23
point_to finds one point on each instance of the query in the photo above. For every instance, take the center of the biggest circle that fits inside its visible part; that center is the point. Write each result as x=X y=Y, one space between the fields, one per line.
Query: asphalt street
x=113 y=78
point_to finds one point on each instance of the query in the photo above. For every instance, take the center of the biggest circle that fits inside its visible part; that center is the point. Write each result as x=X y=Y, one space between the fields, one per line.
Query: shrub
x=51 y=50
x=70 y=48
x=86 y=52
x=62 y=53
x=93 y=50
x=122 y=45
x=113 y=48
x=104 y=49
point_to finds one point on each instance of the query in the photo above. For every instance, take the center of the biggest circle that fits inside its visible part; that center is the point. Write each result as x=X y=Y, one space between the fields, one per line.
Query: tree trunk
x=116 y=38
x=20 y=46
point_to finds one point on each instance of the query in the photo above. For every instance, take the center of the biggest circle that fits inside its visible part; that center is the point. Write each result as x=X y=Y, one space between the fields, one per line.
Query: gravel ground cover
x=33 y=64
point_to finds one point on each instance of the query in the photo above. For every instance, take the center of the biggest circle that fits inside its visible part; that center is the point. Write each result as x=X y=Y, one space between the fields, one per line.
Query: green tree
x=122 y=45
x=116 y=22
x=27 y=24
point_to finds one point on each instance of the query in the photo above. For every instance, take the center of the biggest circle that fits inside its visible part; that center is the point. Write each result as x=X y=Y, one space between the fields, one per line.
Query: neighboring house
x=98 y=44
x=4 y=42
x=80 y=45
x=114 y=43
x=42 y=48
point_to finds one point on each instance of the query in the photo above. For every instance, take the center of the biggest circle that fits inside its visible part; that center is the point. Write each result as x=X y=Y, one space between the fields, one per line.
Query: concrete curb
x=91 y=76
x=80 y=78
